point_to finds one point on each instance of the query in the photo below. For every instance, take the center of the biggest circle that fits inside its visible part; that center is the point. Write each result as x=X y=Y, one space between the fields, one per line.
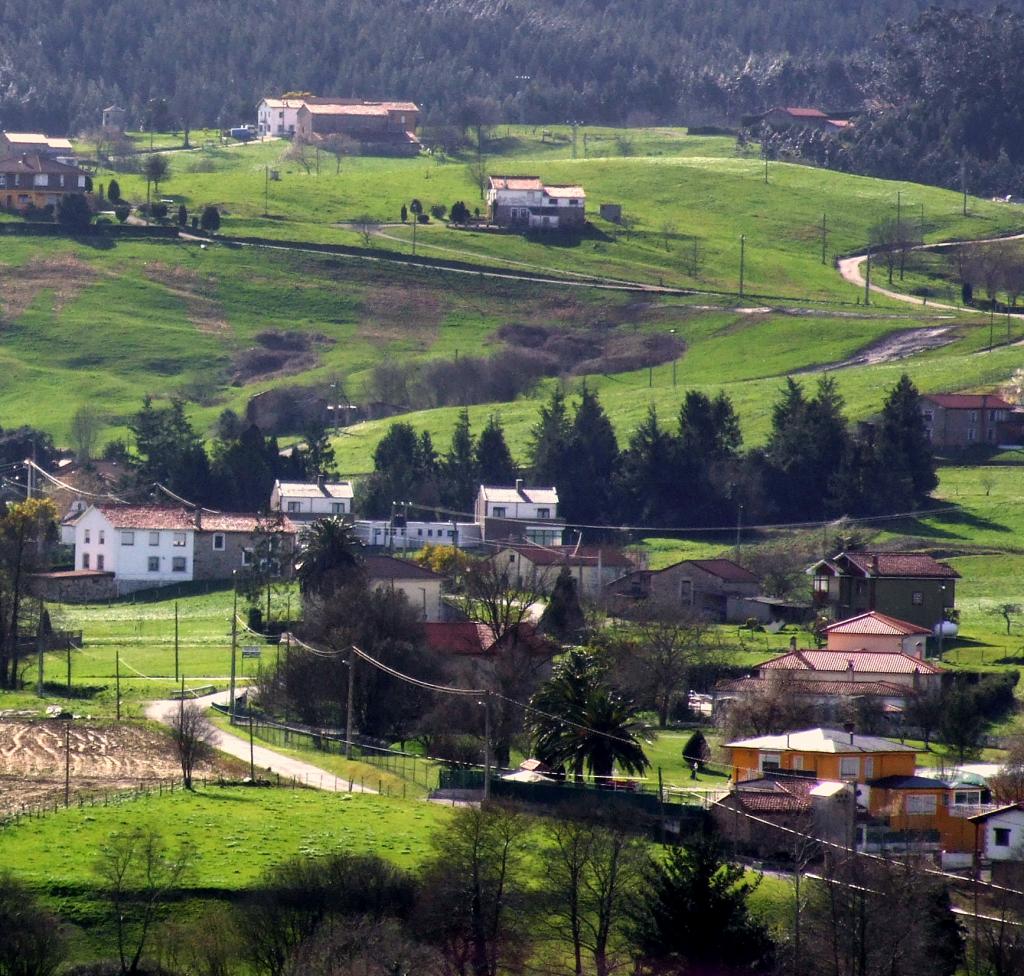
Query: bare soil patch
x=393 y=312
x=104 y=758
x=278 y=353
x=898 y=345
x=198 y=292
x=66 y=275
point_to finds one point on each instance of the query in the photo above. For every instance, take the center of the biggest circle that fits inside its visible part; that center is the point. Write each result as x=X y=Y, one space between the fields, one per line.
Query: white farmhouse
x=402 y=534
x=1001 y=833
x=278 y=116
x=519 y=513
x=142 y=546
x=308 y=501
x=525 y=201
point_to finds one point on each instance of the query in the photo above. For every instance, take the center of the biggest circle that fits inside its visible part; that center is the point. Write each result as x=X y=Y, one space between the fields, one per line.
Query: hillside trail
x=266 y=760
x=850 y=270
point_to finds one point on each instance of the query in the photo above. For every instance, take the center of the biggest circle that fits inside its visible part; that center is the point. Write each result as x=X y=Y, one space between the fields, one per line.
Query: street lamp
x=672 y=332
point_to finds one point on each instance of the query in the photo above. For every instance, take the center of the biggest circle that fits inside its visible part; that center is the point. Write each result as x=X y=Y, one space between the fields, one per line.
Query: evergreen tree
x=586 y=479
x=405 y=470
x=647 y=487
x=563 y=616
x=319 y=452
x=549 y=441
x=182 y=215
x=459 y=468
x=829 y=443
x=708 y=446
x=903 y=453
x=493 y=459
x=113 y=191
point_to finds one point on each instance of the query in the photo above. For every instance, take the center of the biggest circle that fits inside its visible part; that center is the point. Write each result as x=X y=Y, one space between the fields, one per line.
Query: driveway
x=265 y=760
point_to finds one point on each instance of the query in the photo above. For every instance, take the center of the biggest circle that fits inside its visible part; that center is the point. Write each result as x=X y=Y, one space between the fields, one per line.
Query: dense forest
x=678 y=61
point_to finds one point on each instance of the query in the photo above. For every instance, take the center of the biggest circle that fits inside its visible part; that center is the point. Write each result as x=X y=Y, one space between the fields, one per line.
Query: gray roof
x=532 y=496
x=821 y=740
x=301 y=489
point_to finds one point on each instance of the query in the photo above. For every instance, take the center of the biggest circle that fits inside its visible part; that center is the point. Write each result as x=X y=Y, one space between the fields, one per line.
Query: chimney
x=792 y=643
x=874 y=563
x=519 y=485
x=848 y=727
x=320 y=481
x=850 y=668
x=197 y=518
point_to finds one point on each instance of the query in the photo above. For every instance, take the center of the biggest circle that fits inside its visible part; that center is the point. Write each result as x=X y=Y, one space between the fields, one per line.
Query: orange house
x=825 y=754
x=918 y=803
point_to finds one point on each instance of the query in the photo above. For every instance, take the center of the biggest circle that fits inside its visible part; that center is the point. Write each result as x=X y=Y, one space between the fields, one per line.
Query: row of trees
x=812 y=466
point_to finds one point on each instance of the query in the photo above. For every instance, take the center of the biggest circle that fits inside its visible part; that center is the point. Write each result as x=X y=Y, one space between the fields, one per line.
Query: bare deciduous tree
x=339 y=145
x=301 y=153
x=138 y=874
x=32 y=941
x=479 y=173
x=191 y=732
x=86 y=424
x=773 y=707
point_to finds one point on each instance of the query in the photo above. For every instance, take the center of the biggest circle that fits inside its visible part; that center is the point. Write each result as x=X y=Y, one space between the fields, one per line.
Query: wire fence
x=414 y=770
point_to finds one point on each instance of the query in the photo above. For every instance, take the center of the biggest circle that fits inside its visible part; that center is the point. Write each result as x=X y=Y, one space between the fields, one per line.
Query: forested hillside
x=681 y=61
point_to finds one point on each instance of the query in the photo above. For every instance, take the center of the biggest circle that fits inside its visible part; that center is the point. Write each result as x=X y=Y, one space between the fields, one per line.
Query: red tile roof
x=910 y=564
x=875 y=623
x=570 y=555
x=879 y=662
x=387 y=567
x=968 y=401
x=773 y=802
x=33 y=163
x=724 y=569
x=183 y=519
x=816 y=688
x=805 y=113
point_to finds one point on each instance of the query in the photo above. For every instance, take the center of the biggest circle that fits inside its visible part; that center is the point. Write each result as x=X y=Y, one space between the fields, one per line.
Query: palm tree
x=330 y=556
x=580 y=721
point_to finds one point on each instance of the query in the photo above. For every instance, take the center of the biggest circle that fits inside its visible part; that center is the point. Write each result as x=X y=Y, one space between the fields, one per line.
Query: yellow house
x=825 y=754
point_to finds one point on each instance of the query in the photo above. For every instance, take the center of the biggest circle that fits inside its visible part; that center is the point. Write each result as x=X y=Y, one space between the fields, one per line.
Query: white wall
x=1012 y=820
x=130 y=562
x=423 y=595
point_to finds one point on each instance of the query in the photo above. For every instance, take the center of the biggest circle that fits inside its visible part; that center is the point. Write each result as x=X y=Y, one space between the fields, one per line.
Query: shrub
x=422 y=218
x=210 y=220
x=438 y=210
x=114 y=191
x=122 y=212
x=159 y=211
x=73 y=212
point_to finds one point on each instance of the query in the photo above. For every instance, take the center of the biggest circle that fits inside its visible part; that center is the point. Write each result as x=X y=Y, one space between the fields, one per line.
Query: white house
x=305 y=502
x=147 y=545
x=526 y=201
x=403 y=535
x=422 y=587
x=874 y=631
x=1001 y=833
x=519 y=513
x=278 y=116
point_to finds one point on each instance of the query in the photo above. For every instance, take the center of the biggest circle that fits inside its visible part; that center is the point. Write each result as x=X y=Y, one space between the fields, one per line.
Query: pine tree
x=647 y=486
x=549 y=441
x=459 y=468
x=114 y=191
x=585 y=481
x=563 y=616
x=904 y=462
x=493 y=458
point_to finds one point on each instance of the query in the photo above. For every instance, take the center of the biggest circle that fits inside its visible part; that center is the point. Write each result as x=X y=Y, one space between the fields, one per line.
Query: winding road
x=265 y=759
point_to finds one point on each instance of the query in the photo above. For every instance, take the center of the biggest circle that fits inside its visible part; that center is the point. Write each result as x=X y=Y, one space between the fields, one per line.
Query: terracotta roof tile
x=875 y=623
x=570 y=555
x=968 y=401
x=910 y=564
x=833 y=688
x=881 y=662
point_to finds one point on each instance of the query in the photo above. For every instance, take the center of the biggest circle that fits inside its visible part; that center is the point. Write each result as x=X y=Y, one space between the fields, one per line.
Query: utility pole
x=899 y=209
x=766 y=168
x=991 y=326
x=743 y=247
x=867 y=281
x=40 y=644
x=69 y=667
x=266 y=191
x=117 y=683
x=67 y=764
x=348 y=707
x=234 y=643
x=487 y=745
x=672 y=332
x=963 y=183
x=175 y=640
x=824 y=235
x=415 y=219
x=739 y=529
x=252 y=753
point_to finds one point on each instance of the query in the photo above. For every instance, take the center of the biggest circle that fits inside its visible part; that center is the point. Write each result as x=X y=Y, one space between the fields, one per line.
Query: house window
x=103 y=537
x=797 y=763
x=337 y=508
x=86 y=536
x=153 y=564
x=512 y=558
x=922 y=805
x=929 y=416
x=990 y=434
x=294 y=507
x=917 y=598
x=543 y=513
x=99 y=561
x=451 y=533
x=972 y=416
x=768 y=761
x=218 y=541
x=967 y=798
x=1002 y=836
x=849 y=767
x=499 y=512
x=127 y=538
x=154 y=538
x=869 y=767
x=178 y=539
x=686 y=592
x=821 y=584
x=85 y=560
x=430 y=532
x=972 y=433
x=246 y=557
x=178 y=564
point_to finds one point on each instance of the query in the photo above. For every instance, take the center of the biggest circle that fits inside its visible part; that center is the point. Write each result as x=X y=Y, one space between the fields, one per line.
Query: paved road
x=265 y=759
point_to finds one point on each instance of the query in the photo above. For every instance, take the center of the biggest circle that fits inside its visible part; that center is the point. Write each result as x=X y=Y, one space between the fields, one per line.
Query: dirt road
x=266 y=760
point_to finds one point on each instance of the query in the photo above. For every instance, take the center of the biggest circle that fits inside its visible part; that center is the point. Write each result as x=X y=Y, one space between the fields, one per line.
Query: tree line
x=683 y=61
x=690 y=472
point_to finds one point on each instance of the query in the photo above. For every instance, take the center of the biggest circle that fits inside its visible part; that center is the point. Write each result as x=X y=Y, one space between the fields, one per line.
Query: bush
x=422 y=219
x=210 y=220
x=438 y=210
x=159 y=211
x=73 y=212
x=122 y=212
x=114 y=191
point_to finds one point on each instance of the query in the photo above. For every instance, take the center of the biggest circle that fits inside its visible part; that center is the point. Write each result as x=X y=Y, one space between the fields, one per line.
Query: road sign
x=251 y=650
